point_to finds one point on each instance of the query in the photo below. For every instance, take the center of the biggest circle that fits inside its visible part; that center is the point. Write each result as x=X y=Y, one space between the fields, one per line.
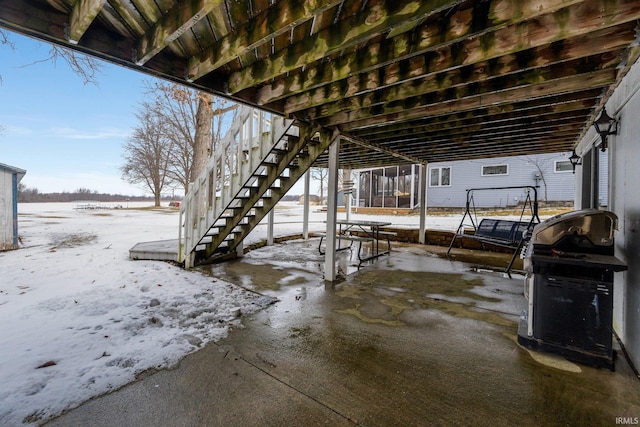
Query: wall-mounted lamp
x=605 y=126
x=575 y=160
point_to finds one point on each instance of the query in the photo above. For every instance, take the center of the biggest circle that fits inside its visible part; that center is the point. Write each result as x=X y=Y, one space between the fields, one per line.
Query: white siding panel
x=522 y=171
x=6 y=210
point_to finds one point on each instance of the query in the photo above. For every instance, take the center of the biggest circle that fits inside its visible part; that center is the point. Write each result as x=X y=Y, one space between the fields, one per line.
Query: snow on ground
x=71 y=298
x=80 y=319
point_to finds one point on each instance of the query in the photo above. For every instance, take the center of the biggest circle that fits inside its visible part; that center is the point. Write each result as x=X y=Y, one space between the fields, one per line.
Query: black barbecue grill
x=570 y=263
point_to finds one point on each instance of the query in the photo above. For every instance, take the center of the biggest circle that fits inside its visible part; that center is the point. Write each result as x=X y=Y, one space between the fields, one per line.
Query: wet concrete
x=410 y=339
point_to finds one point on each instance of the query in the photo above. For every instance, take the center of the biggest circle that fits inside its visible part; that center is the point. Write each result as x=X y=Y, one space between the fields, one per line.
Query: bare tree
x=203 y=144
x=176 y=107
x=148 y=154
x=321 y=175
x=541 y=166
x=194 y=125
x=85 y=67
x=4 y=39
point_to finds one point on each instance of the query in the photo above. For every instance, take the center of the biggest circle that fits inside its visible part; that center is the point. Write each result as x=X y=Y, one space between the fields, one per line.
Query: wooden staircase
x=257 y=162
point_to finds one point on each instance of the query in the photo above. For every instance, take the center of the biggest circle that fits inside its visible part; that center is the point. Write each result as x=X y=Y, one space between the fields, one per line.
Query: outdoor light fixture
x=575 y=160
x=605 y=126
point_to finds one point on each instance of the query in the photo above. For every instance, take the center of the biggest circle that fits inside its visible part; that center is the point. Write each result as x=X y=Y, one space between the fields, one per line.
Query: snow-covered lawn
x=79 y=318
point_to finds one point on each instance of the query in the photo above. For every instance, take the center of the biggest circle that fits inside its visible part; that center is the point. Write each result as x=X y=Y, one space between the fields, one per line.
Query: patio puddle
x=445 y=284
x=259 y=277
x=449 y=293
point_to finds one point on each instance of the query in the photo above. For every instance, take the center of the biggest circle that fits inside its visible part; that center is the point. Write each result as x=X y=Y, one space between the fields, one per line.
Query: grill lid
x=596 y=225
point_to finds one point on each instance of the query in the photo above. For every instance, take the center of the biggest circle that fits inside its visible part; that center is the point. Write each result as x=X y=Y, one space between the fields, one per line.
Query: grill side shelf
x=608 y=262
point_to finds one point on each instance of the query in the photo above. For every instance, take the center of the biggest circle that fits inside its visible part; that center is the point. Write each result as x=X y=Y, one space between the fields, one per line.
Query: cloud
x=11 y=130
x=103 y=133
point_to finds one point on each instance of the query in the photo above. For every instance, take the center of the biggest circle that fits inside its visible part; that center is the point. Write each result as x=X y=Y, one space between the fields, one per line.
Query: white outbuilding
x=9 y=179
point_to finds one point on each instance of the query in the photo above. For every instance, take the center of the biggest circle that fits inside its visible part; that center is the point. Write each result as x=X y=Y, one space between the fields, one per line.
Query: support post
x=412 y=191
x=423 y=204
x=305 y=214
x=271 y=218
x=332 y=190
x=347 y=185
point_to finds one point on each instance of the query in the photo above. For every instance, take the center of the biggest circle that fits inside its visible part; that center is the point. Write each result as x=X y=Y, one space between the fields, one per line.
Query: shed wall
x=6 y=210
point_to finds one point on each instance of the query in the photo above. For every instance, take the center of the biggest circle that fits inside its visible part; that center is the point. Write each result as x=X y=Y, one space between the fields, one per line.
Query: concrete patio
x=411 y=339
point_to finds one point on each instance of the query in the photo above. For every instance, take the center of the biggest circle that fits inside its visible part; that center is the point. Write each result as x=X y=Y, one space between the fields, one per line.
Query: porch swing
x=500 y=232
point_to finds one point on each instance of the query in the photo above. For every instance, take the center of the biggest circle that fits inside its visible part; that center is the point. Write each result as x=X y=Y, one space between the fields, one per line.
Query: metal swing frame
x=513 y=242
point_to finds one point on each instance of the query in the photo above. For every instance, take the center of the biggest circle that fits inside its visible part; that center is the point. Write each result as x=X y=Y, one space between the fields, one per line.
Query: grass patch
x=550 y=211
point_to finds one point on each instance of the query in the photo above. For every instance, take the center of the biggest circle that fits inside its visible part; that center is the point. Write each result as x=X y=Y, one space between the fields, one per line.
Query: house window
x=495 y=170
x=440 y=177
x=563 y=166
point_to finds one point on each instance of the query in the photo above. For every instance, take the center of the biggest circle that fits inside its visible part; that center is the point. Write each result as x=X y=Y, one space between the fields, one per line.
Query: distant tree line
x=32 y=195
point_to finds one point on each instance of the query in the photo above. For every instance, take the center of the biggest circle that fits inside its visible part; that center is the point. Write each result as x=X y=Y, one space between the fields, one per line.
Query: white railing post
x=223 y=177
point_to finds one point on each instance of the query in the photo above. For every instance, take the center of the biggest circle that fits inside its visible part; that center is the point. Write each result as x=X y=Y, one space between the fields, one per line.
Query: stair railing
x=233 y=163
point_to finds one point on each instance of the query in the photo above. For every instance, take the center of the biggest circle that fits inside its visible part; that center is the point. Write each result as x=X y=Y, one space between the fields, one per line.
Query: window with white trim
x=561 y=166
x=495 y=170
x=440 y=177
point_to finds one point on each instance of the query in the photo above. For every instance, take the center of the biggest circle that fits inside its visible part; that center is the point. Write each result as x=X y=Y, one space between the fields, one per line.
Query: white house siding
x=521 y=171
x=624 y=177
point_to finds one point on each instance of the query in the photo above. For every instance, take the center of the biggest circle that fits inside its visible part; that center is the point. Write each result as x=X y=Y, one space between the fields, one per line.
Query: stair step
x=246 y=216
x=231 y=225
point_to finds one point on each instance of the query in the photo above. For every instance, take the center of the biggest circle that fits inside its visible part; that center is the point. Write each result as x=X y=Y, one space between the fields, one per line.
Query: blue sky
x=65 y=134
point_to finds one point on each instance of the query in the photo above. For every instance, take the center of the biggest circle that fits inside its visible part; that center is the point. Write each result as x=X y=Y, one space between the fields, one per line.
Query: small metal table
x=371 y=229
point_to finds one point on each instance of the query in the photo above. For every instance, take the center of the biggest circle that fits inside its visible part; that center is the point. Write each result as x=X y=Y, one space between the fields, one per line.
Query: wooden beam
x=180 y=18
x=630 y=59
x=44 y=23
x=377 y=18
x=487 y=130
x=273 y=21
x=82 y=15
x=456 y=149
x=365 y=156
x=443 y=103
x=126 y=22
x=380 y=148
x=500 y=121
x=483 y=20
x=526 y=110
x=501 y=151
x=440 y=69
x=461 y=141
x=463 y=83
x=33 y=20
